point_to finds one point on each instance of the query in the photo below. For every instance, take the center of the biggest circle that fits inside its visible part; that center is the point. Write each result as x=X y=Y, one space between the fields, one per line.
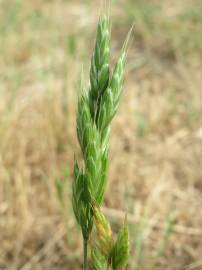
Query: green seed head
x=96 y=108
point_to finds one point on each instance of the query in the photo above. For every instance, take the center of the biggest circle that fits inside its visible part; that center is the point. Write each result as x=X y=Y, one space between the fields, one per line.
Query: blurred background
x=156 y=142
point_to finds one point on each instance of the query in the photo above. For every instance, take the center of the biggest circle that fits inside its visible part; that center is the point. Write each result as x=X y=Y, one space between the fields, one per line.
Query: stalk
x=85 y=254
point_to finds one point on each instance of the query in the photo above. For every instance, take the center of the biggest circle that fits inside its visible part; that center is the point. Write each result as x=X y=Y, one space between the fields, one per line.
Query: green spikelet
x=84 y=122
x=104 y=232
x=81 y=194
x=110 y=99
x=99 y=71
x=99 y=261
x=120 y=252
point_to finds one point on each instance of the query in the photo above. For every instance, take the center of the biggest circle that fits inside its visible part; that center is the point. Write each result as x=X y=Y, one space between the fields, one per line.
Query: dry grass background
x=156 y=144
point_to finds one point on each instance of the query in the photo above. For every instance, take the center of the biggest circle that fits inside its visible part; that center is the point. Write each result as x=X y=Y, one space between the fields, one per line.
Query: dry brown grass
x=156 y=144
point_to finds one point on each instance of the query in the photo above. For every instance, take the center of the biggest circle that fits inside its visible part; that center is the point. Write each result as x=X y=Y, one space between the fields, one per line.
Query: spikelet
x=120 y=253
x=110 y=100
x=99 y=261
x=99 y=71
x=104 y=232
x=80 y=197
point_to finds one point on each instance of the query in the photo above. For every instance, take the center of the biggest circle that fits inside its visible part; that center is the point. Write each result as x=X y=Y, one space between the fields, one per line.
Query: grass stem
x=85 y=254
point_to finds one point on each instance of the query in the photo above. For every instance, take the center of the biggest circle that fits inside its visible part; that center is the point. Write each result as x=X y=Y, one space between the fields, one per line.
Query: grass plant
x=96 y=109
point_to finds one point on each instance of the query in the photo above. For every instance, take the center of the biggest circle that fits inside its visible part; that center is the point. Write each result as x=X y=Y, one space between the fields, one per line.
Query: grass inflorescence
x=96 y=108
